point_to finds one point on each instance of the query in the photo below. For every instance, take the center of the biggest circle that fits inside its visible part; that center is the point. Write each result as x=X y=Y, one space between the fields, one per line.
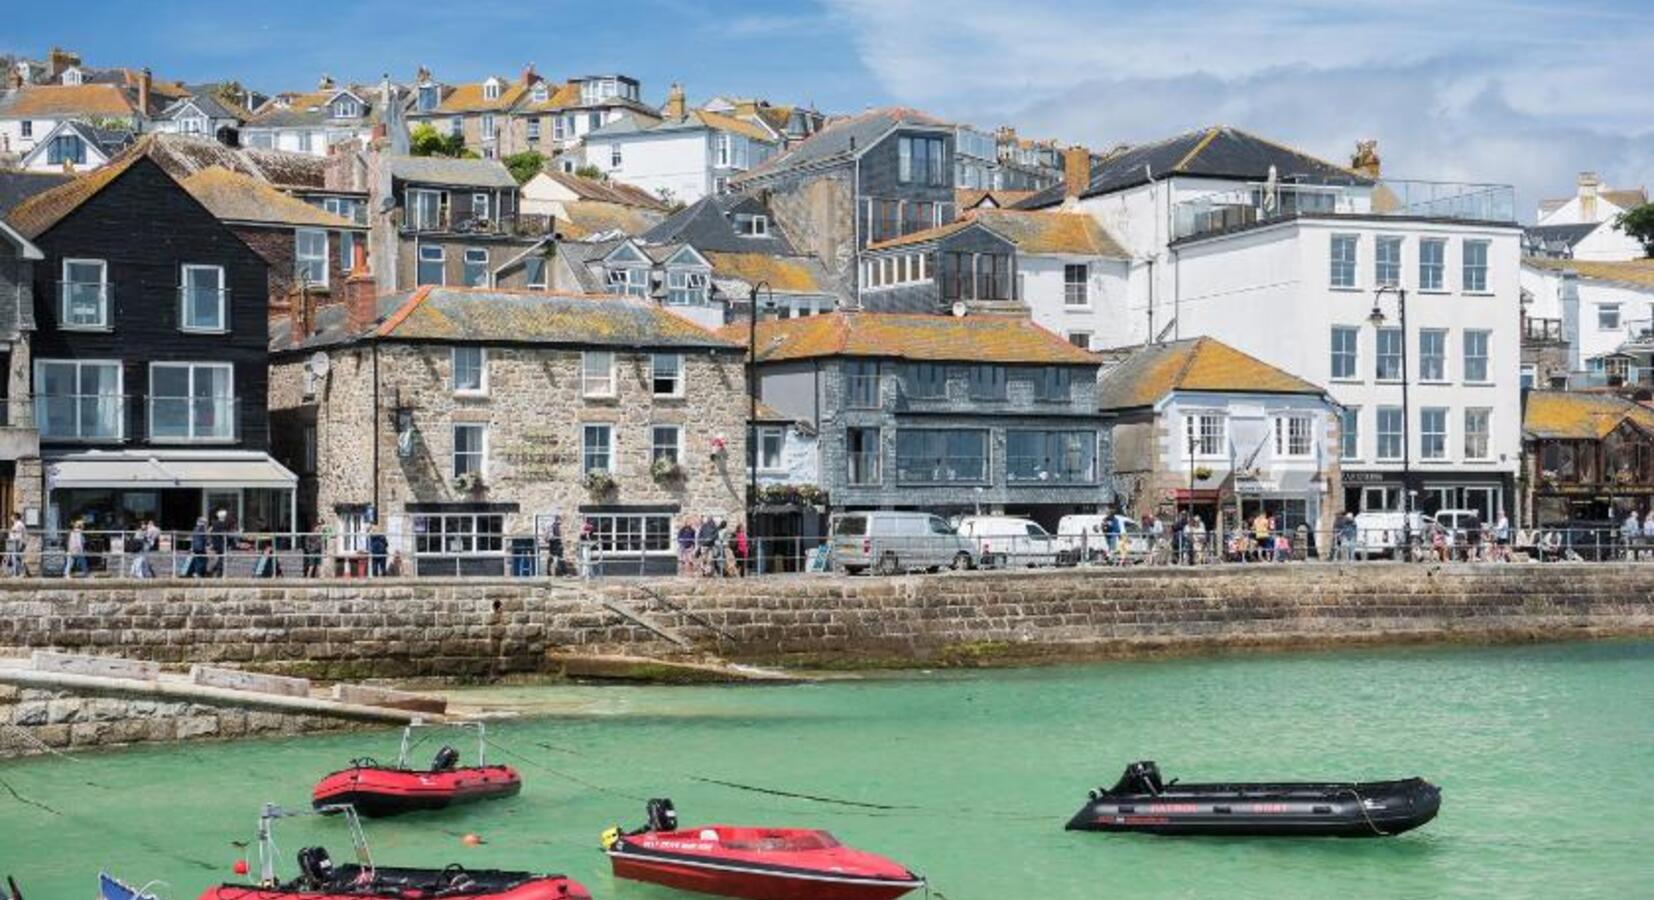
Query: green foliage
x=589 y=171
x=427 y=141
x=524 y=165
x=1639 y=223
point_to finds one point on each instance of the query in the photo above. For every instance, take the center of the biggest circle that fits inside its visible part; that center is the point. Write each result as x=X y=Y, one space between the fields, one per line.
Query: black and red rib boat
x=752 y=863
x=1140 y=801
x=377 y=790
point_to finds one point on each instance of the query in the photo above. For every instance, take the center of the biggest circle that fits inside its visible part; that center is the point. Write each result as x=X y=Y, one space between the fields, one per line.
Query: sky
x=1521 y=92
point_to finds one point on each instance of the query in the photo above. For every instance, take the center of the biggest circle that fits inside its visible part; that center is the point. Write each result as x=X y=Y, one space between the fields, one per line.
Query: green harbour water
x=1545 y=755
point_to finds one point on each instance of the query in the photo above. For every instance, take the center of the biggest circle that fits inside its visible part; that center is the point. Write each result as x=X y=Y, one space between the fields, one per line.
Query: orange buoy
x=240 y=867
x=471 y=840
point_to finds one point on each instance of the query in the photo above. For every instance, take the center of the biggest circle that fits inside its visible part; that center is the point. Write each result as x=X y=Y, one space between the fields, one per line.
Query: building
x=1582 y=226
x=206 y=113
x=1588 y=457
x=75 y=146
x=1026 y=165
x=30 y=113
x=1600 y=312
x=790 y=509
x=556 y=119
x=683 y=155
x=859 y=181
x=149 y=357
x=479 y=112
x=950 y=415
x=1202 y=428
x=314 y=122
x=788 y=124
x=20 y=471
x=584 y=207
x=459 y=421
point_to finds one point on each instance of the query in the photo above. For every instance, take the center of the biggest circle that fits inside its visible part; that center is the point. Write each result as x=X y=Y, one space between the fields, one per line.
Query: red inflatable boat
x=320 y=879
x=753 y=863
x=378 y=790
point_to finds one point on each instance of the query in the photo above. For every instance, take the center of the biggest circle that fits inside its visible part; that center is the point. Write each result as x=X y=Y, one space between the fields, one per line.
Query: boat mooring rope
x=1361 y=804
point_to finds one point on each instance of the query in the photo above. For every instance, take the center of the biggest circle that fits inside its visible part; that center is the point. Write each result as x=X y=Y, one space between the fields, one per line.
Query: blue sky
x=1487 y=90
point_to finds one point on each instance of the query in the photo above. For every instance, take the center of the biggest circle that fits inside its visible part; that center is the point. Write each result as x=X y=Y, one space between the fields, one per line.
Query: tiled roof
x=36 y=215
x=464 y=98
x=924 y=236
x=442 y=170
x=1196 y=364
x=1576 y=415
x=566 y=95
x=1638 y=273
x=234 y=197
x=721 y=122
x=970 y=198
x=15 y=187
x=184 y=155
x=55 y=101
x=584 y=218
x=1005 y=340
x=1051 y=232
x=606 y=191
x=785 y=274
x=1627 y=199
x=842 y=140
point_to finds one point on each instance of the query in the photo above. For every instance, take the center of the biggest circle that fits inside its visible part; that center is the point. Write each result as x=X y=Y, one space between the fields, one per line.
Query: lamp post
x=752 y=407
x=1377 y=318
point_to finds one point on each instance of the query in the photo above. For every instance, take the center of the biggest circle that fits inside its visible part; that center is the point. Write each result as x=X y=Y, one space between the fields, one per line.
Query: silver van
x=889 y=543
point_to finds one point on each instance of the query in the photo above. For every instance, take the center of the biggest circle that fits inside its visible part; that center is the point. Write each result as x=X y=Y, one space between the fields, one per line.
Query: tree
x=424 y=140
x=525 y=165
x=1639 y=223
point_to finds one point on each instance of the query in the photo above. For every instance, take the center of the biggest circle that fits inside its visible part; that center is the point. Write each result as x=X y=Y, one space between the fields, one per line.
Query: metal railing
x=192 y=418
x=1260 y=202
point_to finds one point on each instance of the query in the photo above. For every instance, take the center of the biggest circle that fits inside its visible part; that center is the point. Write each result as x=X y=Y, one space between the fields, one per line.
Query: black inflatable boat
x=1141 y=802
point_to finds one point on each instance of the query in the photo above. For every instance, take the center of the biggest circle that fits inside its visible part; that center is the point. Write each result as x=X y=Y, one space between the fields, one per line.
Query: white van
x=1085 y=537
x=1002 y=541
x=890 y=542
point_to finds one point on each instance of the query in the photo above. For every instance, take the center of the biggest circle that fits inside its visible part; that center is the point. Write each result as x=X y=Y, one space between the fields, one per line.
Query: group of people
x=710 y=547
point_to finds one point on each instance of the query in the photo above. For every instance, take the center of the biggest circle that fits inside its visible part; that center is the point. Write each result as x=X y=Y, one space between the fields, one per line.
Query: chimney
x=1589 y=184
x=144 y=79
x=301 y=314
x=1076 y=170
x=57 y=60
x=675 y=106
x=1365 y=162
x=326 y=83
x=422 y=75
x=529 y=77
x=361 y=294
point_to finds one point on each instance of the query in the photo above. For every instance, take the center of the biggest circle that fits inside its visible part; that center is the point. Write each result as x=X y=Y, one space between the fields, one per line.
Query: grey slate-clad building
x=940 y=413
x=929 y=271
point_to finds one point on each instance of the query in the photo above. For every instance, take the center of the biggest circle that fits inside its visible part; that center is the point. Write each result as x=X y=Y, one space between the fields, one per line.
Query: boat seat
x=708 y=834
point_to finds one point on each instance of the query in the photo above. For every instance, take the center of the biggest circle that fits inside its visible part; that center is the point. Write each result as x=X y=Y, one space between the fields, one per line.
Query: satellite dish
x=959 y=309
x=318 y=364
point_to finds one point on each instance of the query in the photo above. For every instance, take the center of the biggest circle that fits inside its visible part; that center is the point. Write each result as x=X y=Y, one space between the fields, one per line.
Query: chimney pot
x=1076 y=170
x=361 y=294
x=676 y=107
x=144 y=79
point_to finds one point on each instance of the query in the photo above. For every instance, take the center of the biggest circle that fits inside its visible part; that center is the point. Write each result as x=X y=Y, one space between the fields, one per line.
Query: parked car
x=890 y=542
x=1003 y=541
x=1381 y=533
x=1086 y=538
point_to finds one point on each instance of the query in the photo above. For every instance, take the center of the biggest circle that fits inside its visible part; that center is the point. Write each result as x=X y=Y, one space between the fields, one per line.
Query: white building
x=1071 y=274
x=73 y=146
x=1582 y=226
x=687 y=155
x=1604 y=311
x=1284 y=256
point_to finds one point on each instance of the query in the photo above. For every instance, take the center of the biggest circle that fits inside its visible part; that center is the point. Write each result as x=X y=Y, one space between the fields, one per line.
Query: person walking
x=313 y=544
x=1501 y=538
x=267 y=564
x=1648 y=533
x=742 y=550
x=686 y=547
x=706 y=538
x=197 y=566
x=218 y=539
x=1348 y=535
x=379 y=551
x=1630 y=530
x=17 y=539
x=587 y=535
x=74 y=552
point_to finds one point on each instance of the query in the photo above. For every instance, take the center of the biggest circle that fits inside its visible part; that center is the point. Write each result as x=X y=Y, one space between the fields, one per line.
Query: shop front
x=117 y=490
x=1485 y=493
x=1292 y=499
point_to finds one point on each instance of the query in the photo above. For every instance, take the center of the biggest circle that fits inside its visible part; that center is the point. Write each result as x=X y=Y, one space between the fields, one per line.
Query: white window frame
x=1205 y=435
x=691 y=283
x=1437 y=360
x=603 y=387
x=190 y=398
x=1084 y=342
x=300 y=258
x=481 y=390
x=1350 y=355
x=1484 y=358
x=1379 y=356
x=631 y=281
x=1398 y=435
x=655 y=361
x=617 y=157
x=1337 y=276
x=479 y=201
x=1291 y=428
x=416 y=211
x=468 y=260
x=1433 y=273
x=1486 y=433
x=765 y=435
x=119 y=398
x=1474 y=276
x=1426 y=436
x=441 y=260
x=1387 y=272
x=1606 y=310
x=481 y=453
x=533 y=125
x=1069 y=300
x=1349 y=433
x=185 y=305
x=65 y=321
x=608 y=429
x=657 y=449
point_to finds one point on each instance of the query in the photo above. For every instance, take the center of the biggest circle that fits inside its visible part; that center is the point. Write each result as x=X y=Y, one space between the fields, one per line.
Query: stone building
x=20 y=473
x=1588 y=457
x=461 y=421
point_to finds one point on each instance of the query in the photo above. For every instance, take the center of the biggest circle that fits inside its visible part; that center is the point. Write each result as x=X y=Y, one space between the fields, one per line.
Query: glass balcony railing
x=1260 y=202
x=186 y=419
x=81 y=417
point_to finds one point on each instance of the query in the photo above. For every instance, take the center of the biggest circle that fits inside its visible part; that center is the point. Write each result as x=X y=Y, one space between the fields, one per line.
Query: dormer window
x=752 y=226
x=539 y=92
x=346 y=108
x=491 y=89
x=72 y=77
x=629 y=280
x=427 y=97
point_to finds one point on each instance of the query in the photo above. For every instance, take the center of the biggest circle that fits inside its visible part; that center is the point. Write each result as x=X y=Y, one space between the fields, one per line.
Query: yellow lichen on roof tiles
x=36 y=215
x=786 y=274
x=731 y=124
x=588 y=217
x=923 y=237
x=64 y=100
x=1639 y=272
x=1051 y=232
x=1198 y=364
x=1003 y=340
x=1574 y=415
x=234 y=197
x=471 y=98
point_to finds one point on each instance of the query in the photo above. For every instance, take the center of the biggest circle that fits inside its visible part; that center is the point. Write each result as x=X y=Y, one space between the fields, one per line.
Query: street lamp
x=1377 y=318
x=752 y=406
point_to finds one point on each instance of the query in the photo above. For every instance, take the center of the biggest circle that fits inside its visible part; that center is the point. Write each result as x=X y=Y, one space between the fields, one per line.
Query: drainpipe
x=375 y=432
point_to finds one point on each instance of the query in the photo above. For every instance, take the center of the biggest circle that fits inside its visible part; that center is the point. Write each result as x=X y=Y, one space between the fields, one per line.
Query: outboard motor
x=315 y=867
x=446 y=759
x=662 y=815
x=1139 y=778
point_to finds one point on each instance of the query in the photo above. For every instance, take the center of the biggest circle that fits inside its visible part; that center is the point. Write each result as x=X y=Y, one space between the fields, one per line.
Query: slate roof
x=15 y=187
x=1218 y=152
x=924 y=236
x=842 y=140
x=1637 y=273
x=707 y=225
x=1075 y=234
x=582 y=219
x=234 y=197
x=1195 y=364
x=1576 y=415
x=1003 y=340
x=606 y=191
x=310 y=109
x=59 y=101
x=581 y=254
x=209 y=104
x=488 y=173
x=183 y=155
x=692 y=120
x=451 y=314
x=1558 y=237
x=108 y=141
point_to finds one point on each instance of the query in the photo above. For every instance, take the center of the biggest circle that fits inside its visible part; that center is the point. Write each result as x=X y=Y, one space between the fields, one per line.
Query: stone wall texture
x=488 y=628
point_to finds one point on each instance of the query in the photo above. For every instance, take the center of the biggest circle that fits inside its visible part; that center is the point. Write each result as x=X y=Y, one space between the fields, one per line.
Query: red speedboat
x=378 y=790
x=753 y=863
x=320 y=879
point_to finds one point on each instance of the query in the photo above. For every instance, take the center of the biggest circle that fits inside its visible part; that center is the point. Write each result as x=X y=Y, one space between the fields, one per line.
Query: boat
x=752 y=863
x=320 y=879
x=1140 y=801
x=376 y=790
x=112 y=888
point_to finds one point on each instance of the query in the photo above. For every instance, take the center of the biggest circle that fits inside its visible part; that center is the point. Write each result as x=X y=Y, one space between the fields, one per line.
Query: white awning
x=158 y=469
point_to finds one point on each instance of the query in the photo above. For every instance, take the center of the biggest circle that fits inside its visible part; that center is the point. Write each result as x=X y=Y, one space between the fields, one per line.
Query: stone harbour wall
x=482 y=629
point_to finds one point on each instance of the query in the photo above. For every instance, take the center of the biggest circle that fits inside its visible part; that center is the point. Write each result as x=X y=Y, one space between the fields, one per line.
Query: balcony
x=444 y=222
x=192 y=420
x=89 y=418
x=1259 y=203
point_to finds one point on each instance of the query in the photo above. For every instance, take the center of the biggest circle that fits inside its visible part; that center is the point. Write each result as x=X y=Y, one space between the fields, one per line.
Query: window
x=1051 y=457
x=1530 y=376
x=770 y=444
x=594 y=121
x=1051 y=384
x=1475 y=266
x=1475 y=356
x=427 y=97
x=917 y=215
x=456 y=126
x=534 y=268
x=424 y=210
x=1344 y=352
x=597 y=448
x=1205 y=434
x=1608 y=317
x=347 y=250
x=1343 y=260
x=1387 y=262
x=861 y=384
x=1076 y=279
x=1349 y=433
x=488 y=127
x=1389 y=432
x=884 y=219
x=479 y=206
x=665 y=442
x=202 y=298
x=561 y=127
x=666 y=375
x=84 y=294
x=1433 y=433
x=631 y=534
x=686 y=287
x=935 y=456
x=723 y=149
x=66 y=148
x=925 y=381
x=597 y=373
x=432 y=267
x=614 y=156
x=1080 y=339
x=79 y=400
x=1292 y=436
x=1432 y=354
x=470 y=370
x=752 y=226
x=27 y=128
x=976 y=276
x=310 y=257
x=922 y=160
x=346 y=108
x=534 y=126
x=539 y=92
x=861 y=447
x=1432 y=264
x=476 y=267
x=191 y=402
x=458 y=534
x=630 y=280
x=1476 y=433
x=491 y=90
x=1389 y=354
x=470 y=453
x=987 y=382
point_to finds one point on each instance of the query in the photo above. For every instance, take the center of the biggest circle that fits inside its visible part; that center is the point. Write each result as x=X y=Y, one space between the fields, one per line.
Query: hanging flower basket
x=1202 y=473
x=665 y=469
x=469 y=483
x=599 y=483
x=720 y=446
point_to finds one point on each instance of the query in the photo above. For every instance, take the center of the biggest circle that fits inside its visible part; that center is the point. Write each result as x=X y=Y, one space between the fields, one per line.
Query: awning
x=158 y=469
x=1293 y=483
